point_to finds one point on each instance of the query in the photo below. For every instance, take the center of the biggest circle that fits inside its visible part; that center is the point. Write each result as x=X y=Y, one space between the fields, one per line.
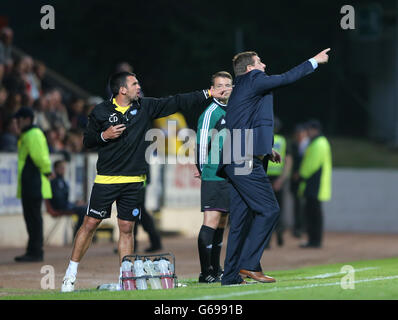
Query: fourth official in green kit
x=214 y=190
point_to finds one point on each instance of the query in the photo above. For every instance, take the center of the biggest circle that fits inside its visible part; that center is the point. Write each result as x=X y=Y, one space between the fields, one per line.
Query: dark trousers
x=147 y=224
x=34 y=225
x=279 y=227
x=298 y=223
x=254 y=212
x=297 y=215
x=314 y=220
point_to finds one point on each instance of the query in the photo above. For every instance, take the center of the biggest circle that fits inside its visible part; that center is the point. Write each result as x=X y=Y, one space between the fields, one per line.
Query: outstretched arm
x=263 y=82
x=162 y=107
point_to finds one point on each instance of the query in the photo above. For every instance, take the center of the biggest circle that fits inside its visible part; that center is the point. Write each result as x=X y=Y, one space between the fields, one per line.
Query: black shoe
x=207 y=278
x=29 y=258
x=153 y=248
x=218 y=275
x=310 y=245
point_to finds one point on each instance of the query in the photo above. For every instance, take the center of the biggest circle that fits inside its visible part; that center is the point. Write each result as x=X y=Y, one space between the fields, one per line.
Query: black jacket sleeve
x=162 y=107
x=92 y=134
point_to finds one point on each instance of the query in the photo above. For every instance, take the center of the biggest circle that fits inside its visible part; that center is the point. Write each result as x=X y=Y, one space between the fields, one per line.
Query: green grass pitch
x=374 y=279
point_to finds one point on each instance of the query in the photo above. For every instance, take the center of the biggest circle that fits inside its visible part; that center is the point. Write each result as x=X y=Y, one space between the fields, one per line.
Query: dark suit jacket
x=251 y=107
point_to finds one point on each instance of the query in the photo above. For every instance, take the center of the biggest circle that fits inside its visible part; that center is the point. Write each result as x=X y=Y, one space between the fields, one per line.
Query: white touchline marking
x=327 y=275
x=314 y=285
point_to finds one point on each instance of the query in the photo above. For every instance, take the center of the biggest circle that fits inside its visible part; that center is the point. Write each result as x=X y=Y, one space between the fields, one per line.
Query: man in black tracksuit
x=118 y=128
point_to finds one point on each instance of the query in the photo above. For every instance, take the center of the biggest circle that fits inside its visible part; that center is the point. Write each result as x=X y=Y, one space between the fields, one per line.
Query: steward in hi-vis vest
x=34 y=168
x=316 y=182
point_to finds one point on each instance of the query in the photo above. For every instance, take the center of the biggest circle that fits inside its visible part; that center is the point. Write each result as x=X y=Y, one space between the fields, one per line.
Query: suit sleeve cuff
x=314 y=63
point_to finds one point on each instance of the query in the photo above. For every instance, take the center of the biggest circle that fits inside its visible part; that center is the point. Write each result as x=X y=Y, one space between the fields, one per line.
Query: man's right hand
x=322 y=56
x=113 y=132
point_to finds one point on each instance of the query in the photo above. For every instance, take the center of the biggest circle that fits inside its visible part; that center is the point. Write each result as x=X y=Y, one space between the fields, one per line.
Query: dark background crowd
x=176 y=46
x=23 y=82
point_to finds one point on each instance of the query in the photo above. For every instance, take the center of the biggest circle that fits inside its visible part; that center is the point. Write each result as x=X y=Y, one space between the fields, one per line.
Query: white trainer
x=68 y=284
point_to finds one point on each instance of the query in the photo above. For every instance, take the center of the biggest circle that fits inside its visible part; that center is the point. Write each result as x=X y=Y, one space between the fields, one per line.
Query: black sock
x=216 y=250
x=205 y=243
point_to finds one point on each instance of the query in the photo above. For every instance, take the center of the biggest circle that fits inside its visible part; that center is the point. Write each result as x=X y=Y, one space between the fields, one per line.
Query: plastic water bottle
x=150 y=270
x=156 y=264
x=109 y=287
x=139 y=272
x=128 y=284
x=167 y=282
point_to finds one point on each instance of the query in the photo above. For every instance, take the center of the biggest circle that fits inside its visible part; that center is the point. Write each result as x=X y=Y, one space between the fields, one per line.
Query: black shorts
x=214 y=196
x=129 y=199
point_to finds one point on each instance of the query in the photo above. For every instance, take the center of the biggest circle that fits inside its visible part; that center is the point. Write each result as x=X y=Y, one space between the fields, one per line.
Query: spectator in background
x=74 y=141
x=32 y=82
x=77 y=116
x=40 y=71
x=55 y=144
x=40 y=107
x=60 y=199
x=13 y=104
x=91 y=103
x=316 y=185
x=3 y=95
x=34 y=168
x=57 y=112
x=9 y=138
x=299 y=145
x=61 y=135
x=6 y=62
x=124 y=66
x=3 y=99
x=14 y=81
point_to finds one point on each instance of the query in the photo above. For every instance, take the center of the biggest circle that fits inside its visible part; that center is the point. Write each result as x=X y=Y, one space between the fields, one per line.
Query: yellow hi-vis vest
x=275 y=169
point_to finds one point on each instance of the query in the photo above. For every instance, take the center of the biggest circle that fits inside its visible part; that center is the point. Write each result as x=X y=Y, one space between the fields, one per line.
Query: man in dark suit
x=254 y=208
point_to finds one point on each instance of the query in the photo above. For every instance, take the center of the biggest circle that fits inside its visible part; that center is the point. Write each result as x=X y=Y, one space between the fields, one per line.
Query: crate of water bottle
x=154 y=271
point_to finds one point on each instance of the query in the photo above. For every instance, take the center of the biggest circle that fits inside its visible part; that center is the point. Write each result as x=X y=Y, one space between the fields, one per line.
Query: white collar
x=220 y=103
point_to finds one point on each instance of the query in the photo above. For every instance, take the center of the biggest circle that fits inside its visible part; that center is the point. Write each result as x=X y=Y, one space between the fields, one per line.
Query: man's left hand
x=275 y=157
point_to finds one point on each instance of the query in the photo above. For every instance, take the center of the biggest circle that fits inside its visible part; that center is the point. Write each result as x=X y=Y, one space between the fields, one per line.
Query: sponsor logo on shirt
x=136 y=212
x=113 y=118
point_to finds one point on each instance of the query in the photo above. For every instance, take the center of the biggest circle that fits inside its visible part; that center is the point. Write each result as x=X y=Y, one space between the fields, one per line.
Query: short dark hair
x=25 y=112
x=220 y=74
x=241 y=61
x=118 y=80
x=58 y=163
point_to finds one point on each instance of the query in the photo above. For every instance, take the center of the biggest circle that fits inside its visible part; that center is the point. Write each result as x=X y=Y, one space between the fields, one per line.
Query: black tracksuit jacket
x=125 y=156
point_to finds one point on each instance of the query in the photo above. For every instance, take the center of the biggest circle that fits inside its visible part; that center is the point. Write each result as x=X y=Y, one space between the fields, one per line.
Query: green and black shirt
x=209 y=139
